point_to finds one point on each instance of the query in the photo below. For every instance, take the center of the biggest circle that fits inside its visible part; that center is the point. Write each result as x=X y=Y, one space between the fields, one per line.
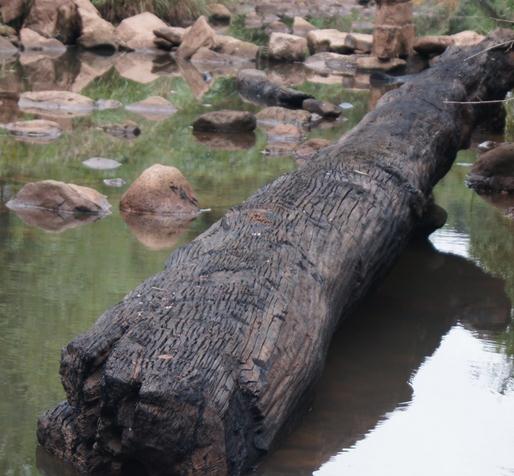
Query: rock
x=372 y=63
x=332 y=63
x=156 y=232
x=487 y=145
x=359 y=42
x=322 y=108
x=302 y=27
x=272 y=116
x=467 y=38
x=277 y=27
x=54 y=19
x=6 y=47
x=225 y=121
x=137 y=32
x=92 y=66
x=254 y=21
x=11 y=10
x=172 y=34
x=161 y=190
x=31 y=40
x=200 y=34
x=234 y=47
x=114 y=182
x=35 y=131
x=56 y=101
x=137 y=67
x=153 y=108
x=107 y=104
x=224 y=141
x=61 y=198
x=284 y=133
x=494 y=170
x=95 y=32
x=327 y=40
x=127 y=130
x=285 y=47
x=306 y=150
x=211 y=59
x=219 y=13
x=433 y=44
x=99 y=163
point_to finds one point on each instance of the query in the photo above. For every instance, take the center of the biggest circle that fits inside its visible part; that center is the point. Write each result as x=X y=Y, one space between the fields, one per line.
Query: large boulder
x=494 y=170
x=161 y=190
x=54 y=19
x=137 y=32
x=61 y=198
x=327 y=40
x=200 y=34
x=33 y=41
x=225 y=121
x=285 y=47
x=95 y=32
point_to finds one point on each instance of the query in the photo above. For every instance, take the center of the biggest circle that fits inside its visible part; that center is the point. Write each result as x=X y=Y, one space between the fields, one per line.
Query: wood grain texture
x=197 y=369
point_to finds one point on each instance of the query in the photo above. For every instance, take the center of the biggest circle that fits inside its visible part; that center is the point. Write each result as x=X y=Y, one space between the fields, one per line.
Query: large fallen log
x=197 y=369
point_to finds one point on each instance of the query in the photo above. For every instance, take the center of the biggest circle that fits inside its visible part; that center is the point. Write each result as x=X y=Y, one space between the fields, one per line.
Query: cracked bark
x=197 y=369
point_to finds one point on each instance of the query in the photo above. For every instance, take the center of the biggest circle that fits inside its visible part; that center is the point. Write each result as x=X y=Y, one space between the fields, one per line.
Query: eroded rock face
x=137 y=32
x=285 y=47
x=33 y=41
x=200 y=34
x=161 y=190
x=61 y=198
x=225 y=121
x=95 y=31
x=36 y=131
x=494 y=170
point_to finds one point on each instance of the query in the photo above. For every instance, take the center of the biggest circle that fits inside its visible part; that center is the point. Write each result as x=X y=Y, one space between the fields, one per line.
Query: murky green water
x=421 y=378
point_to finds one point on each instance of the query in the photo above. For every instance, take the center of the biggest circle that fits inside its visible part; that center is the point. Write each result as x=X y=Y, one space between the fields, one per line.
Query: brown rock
x=332 y=63
x=285 y=47
x=11 y=10
x=232 y=46
x=54 y=19
x=284 y=133
x=56 y=101
x=372 y=63
x=137 y=32
x=219 y=13
x=327 y=40
x=306 y=150
x=161 y=190
x=322 y=108
x=50 y=221
x=494 y=170
x=95 y=32
x=7 y=47
x=467 y=38
x=225 y=121
x=31 y=40
x=138 y=67
x=277 y=27
x=302 y=27
x=200 y=34
x=61 y=198
x=272 y=116
x=172 y=34
x=223 y=141
x=433 y=45
x=359 y=42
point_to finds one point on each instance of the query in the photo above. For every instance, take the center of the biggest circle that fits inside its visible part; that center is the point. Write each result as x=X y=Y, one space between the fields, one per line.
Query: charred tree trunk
x=197 y=369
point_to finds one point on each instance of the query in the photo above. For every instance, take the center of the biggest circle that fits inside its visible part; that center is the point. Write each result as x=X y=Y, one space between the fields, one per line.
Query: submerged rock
x=99 y=163
x=494 y=170
x=115 y=182
x=61 y=198
x=127 y=130
x=161 y=190
x=322 y=108
x=272 y=116
x=35 y=131
x=306 y=150
x=137 y=32
x=285 y=47
x=107 y=104
x=153 y=108
x=56 y=101
x=225 y=121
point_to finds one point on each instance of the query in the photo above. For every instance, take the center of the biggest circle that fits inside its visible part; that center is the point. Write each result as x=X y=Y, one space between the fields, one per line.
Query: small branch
x=506 y=43
x=495 y=101
x=501 y=20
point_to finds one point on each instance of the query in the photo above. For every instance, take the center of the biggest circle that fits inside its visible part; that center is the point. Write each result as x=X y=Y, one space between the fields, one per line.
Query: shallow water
x=420 y=381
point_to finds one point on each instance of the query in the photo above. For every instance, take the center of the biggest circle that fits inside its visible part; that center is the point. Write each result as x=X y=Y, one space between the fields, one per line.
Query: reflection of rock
x=127 y=130
x=6 y=47
x=137 y=32
x=218 y=63
x=504 y=202
x=225 y=121
x=156 y=232
x=272 y=116
x=115 y=182
x=494 y=170
x=52 y=221
x=306 y=150
x=100 y=163
x=136 y=67
x=56 y=101
x=194 y=79
x=229 y=142
x=288 y=74
x=36 y=131
x=154 y=108
x=60 y=197
x=48 y=70
x=161 y=190
x=374 y=355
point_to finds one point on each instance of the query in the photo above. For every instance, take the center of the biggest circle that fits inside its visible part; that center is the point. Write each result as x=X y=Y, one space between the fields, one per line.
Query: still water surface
x=419 y=382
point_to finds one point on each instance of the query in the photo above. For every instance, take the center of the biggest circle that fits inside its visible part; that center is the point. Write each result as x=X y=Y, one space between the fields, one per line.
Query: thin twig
x=493 y=101
x=506 y=43
x=502 y=20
